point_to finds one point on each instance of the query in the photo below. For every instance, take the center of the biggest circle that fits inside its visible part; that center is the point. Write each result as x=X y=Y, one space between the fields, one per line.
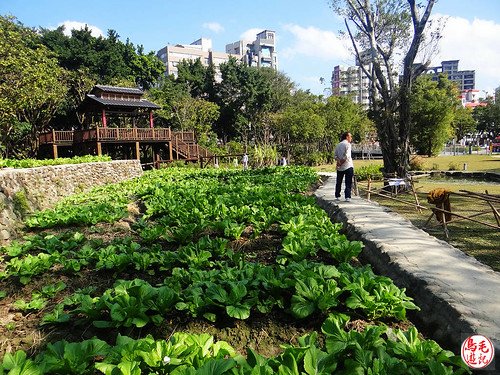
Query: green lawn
x=487 y=163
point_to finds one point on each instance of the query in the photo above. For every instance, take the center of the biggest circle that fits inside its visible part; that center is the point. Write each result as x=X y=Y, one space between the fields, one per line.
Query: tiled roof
x=120 y=90
x=124 y=103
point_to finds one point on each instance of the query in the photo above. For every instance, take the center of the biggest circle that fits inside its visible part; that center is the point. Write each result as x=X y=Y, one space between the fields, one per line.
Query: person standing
x=245 y=161
x=344 y=166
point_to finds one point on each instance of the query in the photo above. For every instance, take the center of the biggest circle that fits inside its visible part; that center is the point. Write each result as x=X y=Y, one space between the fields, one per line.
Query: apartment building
x=465 y=79
x=351 y=81
x=201 y=49
x=261 y=52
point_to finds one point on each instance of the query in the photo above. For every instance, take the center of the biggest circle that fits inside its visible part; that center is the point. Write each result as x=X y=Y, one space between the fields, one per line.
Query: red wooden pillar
x=151 y=124
x=104 y=123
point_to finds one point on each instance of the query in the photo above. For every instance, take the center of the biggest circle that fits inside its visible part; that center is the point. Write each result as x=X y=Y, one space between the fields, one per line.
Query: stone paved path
x=458 y=295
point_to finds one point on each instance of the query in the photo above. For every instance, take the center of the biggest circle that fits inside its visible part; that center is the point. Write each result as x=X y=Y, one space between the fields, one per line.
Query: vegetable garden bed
x=189 y=271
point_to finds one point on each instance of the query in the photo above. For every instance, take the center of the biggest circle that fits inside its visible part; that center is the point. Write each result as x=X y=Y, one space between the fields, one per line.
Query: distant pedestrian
x=245 y=161
x=344 y=166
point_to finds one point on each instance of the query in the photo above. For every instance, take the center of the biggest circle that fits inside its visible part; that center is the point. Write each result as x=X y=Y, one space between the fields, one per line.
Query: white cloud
x=475 y=43
x=213 y=26
x=316 y=43
x=251 y=34
x=70 y=25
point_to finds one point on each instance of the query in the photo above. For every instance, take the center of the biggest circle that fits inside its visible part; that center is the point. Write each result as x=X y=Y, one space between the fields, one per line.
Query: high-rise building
x=200 y=49
x=351 y=81
x=465 y=79
x=260 y=53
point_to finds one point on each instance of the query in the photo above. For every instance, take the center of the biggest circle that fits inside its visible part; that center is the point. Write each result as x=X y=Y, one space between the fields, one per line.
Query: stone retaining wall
x=23 y=191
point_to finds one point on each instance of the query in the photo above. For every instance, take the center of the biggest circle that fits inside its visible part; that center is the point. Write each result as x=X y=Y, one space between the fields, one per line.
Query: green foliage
x=488 y=117
x=372 y=171
x=31 y=163
x=20 y=202
x=433 y=106
x=264 y=156
x=186 y=237
x=464 y=122
x=31 y=88
x=106 y=58
x=376 y=350
x=381 y=350
x=377 y=296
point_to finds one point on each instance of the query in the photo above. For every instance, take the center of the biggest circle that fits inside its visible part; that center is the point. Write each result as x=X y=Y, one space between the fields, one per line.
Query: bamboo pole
x=438 y=209
x=495 y=211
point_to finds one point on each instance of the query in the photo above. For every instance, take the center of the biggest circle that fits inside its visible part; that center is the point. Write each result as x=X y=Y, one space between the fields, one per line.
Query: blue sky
x=307 y=31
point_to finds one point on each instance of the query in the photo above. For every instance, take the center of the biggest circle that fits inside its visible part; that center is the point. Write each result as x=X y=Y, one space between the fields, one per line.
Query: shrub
x=417 y=163
x=372 y=171
x=452 y=166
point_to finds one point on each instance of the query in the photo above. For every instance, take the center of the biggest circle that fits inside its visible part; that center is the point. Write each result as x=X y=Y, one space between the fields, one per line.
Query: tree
x=243 y=96
x=378 y=31
x=488 y=118
x=433 y=108
x=342 y=115
x=32 y=86
x=197 y=115
x=463 y=122
x=107 y=59
x=194 y=75
x=299 y=127
x=166 y=94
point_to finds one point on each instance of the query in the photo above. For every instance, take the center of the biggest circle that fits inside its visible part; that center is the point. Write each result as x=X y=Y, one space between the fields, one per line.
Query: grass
x=485 y=163
x=477 y=240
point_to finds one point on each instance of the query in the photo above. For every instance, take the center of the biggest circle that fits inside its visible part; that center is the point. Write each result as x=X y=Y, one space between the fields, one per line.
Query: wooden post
x=104 y=122
x=151 y=119
x=495 y=211
x=54 y=151
x=369 y=188
x=99 y=149
x=170 y=153
x=445 y=227
x=417 y=203
x=137 y=151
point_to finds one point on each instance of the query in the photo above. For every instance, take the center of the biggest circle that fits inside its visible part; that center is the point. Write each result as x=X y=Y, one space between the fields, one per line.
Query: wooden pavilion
x=120 y=123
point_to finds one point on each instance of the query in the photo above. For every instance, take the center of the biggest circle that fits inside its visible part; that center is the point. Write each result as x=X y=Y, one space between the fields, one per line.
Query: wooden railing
x=184 y=136
x=183 y=142
x=188 y=150
x=56 y=136
x=134 y=134
x=114 y=134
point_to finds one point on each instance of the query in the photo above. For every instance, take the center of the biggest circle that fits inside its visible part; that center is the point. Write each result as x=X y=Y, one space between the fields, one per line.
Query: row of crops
x=185 y=255
x=32 y=163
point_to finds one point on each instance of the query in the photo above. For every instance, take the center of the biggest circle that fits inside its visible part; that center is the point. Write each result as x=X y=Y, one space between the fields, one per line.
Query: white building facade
x=201 y=49
x=260 y=53
x=351 y=81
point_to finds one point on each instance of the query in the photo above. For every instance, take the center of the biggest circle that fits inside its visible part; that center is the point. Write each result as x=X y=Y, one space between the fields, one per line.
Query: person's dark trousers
x=349 y=174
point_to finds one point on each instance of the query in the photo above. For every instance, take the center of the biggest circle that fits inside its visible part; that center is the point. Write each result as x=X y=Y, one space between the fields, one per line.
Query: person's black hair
x=344 y=136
